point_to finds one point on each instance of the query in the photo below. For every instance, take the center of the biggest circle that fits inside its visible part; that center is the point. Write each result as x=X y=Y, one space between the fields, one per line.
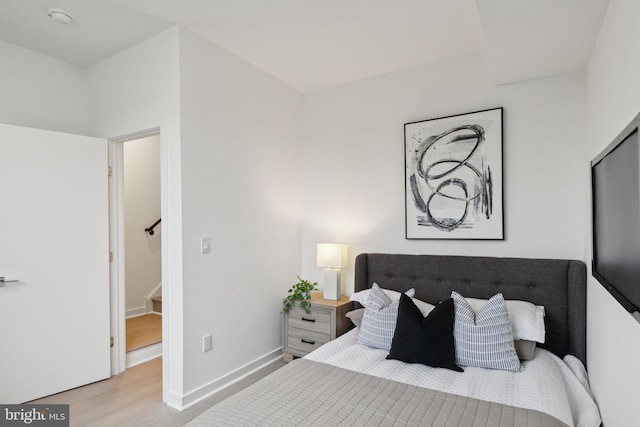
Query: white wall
x=613 y=99
x=241 y=186
x=354 y=161
x=41 y=92
x=233 y=173
x=141 y=210
x=135 y=90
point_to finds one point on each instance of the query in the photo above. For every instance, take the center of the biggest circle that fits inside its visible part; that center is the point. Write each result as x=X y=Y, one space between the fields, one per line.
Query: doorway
x=142 y=249
x=136 y=244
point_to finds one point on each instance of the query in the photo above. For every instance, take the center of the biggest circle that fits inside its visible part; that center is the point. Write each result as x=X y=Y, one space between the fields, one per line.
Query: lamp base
x=332 y=284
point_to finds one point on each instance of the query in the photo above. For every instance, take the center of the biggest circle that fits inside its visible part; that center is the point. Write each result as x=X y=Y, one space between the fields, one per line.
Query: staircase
x=157 y=304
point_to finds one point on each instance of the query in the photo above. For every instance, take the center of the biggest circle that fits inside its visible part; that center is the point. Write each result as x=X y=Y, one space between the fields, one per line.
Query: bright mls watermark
x=34 y=415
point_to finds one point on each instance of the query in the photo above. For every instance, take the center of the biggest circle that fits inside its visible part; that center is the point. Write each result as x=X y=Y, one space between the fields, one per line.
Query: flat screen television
x=615 y=198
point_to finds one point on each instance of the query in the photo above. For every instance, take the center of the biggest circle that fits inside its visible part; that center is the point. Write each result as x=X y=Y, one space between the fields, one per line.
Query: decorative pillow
x=362 y=297
x=356 y=316
x=426 y=340
x=379 y=319
x=525 y=349
x=527 y=320
x=484 y=339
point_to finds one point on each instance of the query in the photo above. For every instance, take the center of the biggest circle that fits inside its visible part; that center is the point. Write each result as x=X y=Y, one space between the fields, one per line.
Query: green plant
x=300 y=291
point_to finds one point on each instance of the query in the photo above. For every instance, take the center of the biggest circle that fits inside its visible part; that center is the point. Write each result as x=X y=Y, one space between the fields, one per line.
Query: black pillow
x=427 y=340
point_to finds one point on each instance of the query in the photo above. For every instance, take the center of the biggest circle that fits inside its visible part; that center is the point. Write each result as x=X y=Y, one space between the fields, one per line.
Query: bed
x=347 y=383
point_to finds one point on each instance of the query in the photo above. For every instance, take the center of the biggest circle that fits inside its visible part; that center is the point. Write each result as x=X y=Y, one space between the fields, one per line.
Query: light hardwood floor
x=134 y=398
x=143 y=331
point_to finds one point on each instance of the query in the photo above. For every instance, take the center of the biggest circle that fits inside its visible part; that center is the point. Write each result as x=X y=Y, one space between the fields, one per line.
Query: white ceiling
x=312 y=44
x=100 y=28
x=528 y=39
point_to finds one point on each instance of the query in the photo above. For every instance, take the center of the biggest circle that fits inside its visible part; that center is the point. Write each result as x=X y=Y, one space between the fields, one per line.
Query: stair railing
x=150 y=229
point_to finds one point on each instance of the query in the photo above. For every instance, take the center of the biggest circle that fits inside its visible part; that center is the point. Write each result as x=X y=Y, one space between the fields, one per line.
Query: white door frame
x=116 y=243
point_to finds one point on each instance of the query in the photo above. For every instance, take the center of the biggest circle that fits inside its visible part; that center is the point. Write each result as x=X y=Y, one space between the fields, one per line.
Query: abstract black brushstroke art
x=453 y=177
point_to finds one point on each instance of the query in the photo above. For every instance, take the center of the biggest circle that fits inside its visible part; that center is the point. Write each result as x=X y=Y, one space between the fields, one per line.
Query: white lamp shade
x=331 y=255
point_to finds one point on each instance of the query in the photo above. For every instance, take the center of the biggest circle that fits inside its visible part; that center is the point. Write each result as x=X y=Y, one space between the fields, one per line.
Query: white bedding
x=547 y=384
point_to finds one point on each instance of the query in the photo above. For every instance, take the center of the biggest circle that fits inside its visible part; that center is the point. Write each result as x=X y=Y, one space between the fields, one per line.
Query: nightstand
x=302 y=332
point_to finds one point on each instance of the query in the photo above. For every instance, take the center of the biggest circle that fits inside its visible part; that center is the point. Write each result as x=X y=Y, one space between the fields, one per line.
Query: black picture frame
x=454 y=177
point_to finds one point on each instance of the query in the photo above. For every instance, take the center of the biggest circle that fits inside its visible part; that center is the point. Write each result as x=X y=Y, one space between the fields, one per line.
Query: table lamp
x=331 y=256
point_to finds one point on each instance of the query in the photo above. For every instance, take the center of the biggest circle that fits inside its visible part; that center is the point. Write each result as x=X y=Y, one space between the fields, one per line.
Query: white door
x=54 y=239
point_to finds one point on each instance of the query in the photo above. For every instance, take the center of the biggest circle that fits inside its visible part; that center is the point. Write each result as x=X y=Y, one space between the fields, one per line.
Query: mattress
x=313 y=394
x=344 y=383
x=548 y=384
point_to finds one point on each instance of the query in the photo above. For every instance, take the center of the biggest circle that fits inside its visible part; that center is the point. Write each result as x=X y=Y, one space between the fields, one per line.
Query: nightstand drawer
x=317 y=320
x=305 y=340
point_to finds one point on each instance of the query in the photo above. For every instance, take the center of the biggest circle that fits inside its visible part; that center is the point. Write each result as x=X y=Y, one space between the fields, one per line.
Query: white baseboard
x=144 y=354
x=201 y=393
x=174 y=401
x=135 y=312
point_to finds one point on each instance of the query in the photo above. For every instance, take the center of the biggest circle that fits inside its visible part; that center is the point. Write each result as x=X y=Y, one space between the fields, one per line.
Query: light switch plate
x=205 y=245
x=207 y=343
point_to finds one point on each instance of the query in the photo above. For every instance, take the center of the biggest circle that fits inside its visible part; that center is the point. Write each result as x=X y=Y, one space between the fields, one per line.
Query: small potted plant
x=300 y=291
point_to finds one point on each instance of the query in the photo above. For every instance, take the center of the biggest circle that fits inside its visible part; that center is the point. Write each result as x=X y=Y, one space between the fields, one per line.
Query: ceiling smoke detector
x=60 y=16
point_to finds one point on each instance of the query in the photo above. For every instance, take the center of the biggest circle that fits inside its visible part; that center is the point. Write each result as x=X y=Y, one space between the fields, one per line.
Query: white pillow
x=363 y=296
x=527 y=320
x=424 y=307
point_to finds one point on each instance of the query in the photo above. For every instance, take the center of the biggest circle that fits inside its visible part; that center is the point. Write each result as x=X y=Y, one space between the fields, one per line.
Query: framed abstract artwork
x=453 y=177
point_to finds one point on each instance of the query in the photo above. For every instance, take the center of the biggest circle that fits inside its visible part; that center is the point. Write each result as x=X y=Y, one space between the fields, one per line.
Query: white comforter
x=547 y=384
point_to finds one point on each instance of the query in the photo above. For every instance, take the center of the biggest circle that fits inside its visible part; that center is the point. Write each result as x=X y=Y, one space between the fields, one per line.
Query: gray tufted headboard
x=558 y=285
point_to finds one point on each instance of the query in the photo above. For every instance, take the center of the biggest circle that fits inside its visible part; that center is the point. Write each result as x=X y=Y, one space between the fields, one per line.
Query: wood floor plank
x=134 y=398
x=143 y=331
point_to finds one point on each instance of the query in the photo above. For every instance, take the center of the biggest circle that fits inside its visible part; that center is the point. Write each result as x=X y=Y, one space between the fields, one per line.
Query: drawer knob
x=307 y=341
x=308 y=320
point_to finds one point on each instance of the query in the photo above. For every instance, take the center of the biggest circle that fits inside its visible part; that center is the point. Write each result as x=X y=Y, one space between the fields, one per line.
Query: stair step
x=157 y=304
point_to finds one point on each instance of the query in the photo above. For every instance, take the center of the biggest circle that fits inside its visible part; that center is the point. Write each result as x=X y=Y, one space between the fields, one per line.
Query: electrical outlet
x=207 y=343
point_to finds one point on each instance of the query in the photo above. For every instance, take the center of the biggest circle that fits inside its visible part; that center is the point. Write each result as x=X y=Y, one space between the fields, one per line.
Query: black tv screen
x=615 y=184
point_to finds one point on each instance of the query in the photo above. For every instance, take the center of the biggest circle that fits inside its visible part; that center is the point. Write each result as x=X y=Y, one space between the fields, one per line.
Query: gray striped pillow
x=484 y=339
x=379 y=319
